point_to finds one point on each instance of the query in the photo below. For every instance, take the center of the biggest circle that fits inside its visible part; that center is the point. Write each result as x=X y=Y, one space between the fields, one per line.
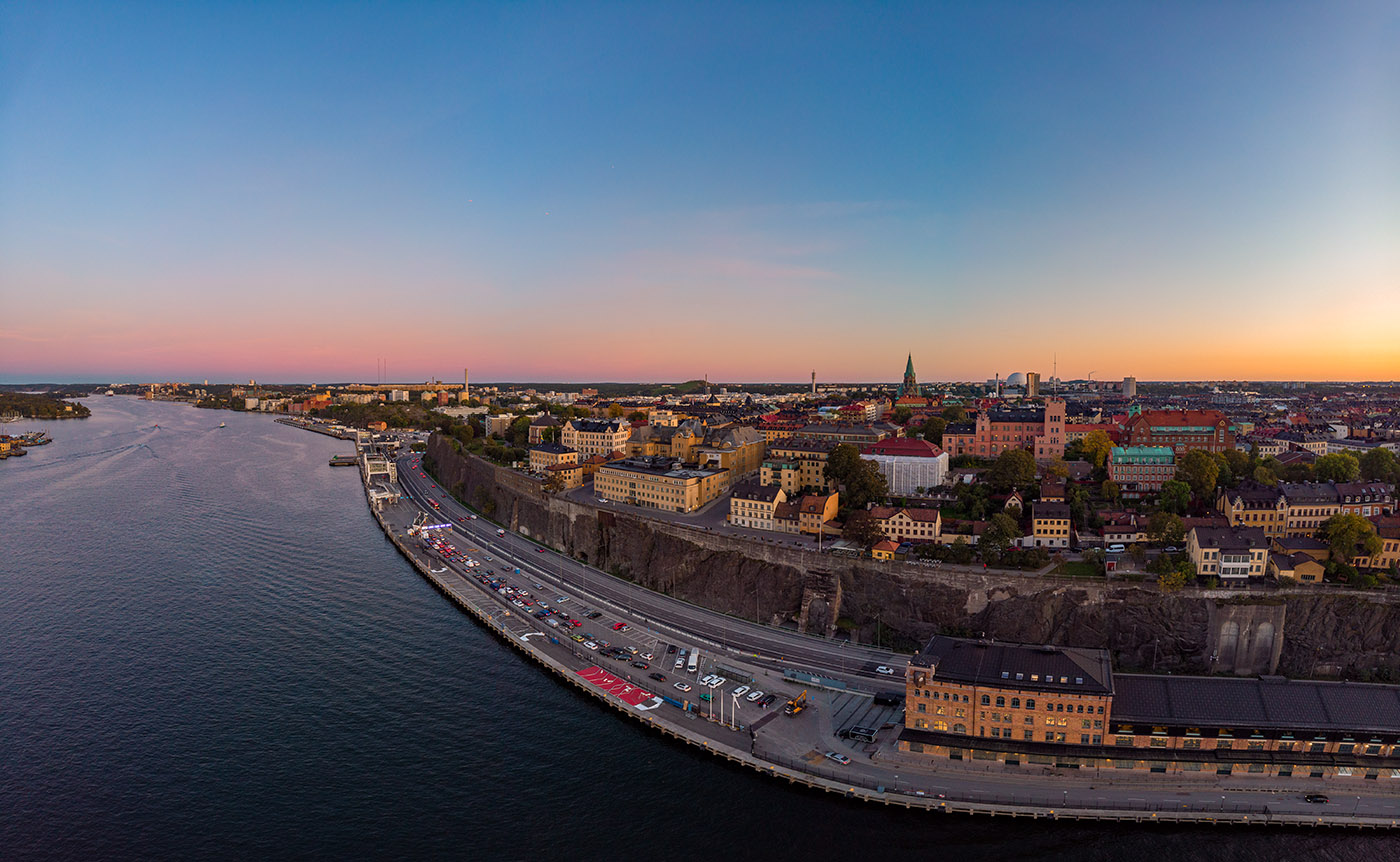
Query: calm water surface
x=208 y=650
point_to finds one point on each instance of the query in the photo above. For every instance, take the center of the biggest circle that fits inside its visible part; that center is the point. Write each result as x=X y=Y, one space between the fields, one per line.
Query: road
x=669 y=618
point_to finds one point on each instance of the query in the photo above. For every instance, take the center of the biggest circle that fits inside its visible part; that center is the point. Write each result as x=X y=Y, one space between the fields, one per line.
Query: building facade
x=1041 y=430
x=1229 y=553
x=1141 y=469
x=1180 y=430
x=909 y=466
x=595 y=437
x=658 y=483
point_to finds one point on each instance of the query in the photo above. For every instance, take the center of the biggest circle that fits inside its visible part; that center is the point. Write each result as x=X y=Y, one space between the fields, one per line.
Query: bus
x=694 y=664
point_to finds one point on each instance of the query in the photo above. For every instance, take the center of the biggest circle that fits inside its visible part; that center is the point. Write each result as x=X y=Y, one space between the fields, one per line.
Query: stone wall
x=1299 y=632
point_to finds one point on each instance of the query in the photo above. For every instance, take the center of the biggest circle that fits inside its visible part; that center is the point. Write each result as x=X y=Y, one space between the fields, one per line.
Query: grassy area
x=1079 y=569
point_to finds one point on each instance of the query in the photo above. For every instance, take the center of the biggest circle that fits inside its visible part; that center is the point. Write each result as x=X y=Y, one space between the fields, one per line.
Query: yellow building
x=658 y=483
x=814 y=511
x=595 y=437
x=1010 y=691
x=752 y=505
x=883 y=550
x=569 y=474
x=1050 y=525
x=1254 y=505
x=1234 y=555
x=546 y=455
x=809 y=459
x=1389 y=556
x=909 y=525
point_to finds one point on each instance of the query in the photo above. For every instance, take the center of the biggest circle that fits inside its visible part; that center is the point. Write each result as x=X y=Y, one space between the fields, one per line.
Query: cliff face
x=901 y=605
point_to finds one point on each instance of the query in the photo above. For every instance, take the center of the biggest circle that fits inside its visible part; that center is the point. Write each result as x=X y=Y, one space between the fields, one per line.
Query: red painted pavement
x=620 y=688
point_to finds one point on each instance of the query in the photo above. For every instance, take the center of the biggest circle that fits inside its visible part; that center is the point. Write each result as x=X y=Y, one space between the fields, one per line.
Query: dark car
x=1316 y=798
x=595 y=615
x=640 y=665
x=659 y=677
x=671 y=648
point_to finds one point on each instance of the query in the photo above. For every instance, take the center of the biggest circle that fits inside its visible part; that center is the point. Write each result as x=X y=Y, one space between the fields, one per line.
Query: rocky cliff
x=1301 y=633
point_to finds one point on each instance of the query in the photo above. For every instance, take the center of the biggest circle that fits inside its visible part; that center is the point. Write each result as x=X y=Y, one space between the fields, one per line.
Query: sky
x=654 y=191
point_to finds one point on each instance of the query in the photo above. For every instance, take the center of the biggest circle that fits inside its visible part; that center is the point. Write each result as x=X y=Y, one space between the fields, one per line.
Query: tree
x=1337 y=467
x=519 y=431
x=1380 y=465
x=636 y=416
x=1166 y=528
x=1096 y=447
x=1237 y=463
x=902 y=415
x=860 y=481
x=961 y=552
x=1173 y=581
x=1350 y=536
x=862 y=529
x=616 y=411
x=955 y=414
x=1199 y=469
x=1265 y=475
x=1297 y=471
x=1175 y=496
x=1111 y=492
x=1057 y=469
x=1000 y=534
x=933 y=429
x=1013 y=468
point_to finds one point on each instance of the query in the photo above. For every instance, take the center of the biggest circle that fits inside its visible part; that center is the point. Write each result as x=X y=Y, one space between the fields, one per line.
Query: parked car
x=754 y=696
x=743 y=689
x=680 y=686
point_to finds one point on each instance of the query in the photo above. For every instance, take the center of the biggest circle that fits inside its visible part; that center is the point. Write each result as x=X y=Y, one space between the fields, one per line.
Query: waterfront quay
x=816 y=748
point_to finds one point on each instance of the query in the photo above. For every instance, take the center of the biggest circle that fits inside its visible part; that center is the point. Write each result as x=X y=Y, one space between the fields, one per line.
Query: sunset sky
x=657 y=191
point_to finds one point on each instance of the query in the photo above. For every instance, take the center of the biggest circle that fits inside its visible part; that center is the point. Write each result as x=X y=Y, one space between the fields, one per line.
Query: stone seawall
x=1298 y=632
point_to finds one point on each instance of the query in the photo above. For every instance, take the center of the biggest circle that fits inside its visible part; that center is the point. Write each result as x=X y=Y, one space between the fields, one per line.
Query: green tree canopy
x=1166 y=528
x=1000 y=534
x=933 y=429
x=1238 y=463
x=1175 y=496
x=1012 y=468
x=901 y=415
x=1349 y=536
x=1111 y=492
x=955 y=414
x=1199 y=469
x=861 y=481
x=1057 y=469
x=862 y=529
x=1337 y=467
x=1380 y=465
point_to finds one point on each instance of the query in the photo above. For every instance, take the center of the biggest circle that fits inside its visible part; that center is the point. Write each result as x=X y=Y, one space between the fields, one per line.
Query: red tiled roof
x=903 y=446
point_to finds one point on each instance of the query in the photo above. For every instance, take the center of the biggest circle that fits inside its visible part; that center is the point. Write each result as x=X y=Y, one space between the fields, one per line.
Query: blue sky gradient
x=1166 y=190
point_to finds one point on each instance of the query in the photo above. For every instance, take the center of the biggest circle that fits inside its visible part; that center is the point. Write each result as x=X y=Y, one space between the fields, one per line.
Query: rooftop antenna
x=1055 y=373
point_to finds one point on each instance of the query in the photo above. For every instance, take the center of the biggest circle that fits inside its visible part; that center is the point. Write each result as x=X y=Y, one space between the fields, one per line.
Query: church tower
x=910 y=386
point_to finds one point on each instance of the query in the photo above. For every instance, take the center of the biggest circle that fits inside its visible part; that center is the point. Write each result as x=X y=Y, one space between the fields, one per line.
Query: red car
x=540 y=550
x=617 y=627
x=575 y=623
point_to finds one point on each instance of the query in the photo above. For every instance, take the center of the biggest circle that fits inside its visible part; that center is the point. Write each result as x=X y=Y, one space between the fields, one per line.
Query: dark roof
x=1069 y=670
x=1050 y=510
x=551 y=448
x=598 y=426
x=1271 y=702
x=1230 y=538
x=751 y=490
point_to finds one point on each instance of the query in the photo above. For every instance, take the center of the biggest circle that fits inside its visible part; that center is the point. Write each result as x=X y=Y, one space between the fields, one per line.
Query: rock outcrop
x=1304 y=632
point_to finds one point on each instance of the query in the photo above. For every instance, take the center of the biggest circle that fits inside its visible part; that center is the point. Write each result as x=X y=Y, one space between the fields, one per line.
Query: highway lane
x=667 y=615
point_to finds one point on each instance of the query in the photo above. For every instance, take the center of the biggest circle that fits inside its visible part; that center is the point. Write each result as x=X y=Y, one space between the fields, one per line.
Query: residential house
x=752 y=505
x=1232 y=554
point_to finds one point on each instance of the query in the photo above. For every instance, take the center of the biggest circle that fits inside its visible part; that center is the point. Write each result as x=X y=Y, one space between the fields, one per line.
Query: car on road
x=754 y=696
x=641 y=665
x=837 y=757
x=539 y=586
x=659 y=677
x=743 y=689
x=1317 y=798
x=602 y=500
x=539 y=550
x=681 y=686
x=1173 y=549
x=887 y=671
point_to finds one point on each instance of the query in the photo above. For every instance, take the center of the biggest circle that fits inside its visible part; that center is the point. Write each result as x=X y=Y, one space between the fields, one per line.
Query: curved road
x=758 y=643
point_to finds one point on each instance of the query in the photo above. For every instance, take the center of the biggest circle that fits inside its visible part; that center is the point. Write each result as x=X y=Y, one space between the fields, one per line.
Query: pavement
x=753 y=655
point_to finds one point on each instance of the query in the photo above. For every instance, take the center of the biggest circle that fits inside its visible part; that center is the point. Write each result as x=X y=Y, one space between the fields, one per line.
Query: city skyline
x=641 y=192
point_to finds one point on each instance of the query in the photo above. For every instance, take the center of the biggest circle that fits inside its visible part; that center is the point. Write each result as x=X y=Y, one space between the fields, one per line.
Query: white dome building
x=1017 y=379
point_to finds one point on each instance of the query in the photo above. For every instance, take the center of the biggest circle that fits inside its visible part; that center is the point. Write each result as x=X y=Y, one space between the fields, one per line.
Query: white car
x=705 y=680
x=839 y=758
x=680 y=686
x=646 y=656
x=754 y=695
x=591 y=645
x=559 y=600
x=887 y=671
x=716 y=682
x=680 y=663
x=741 y=689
